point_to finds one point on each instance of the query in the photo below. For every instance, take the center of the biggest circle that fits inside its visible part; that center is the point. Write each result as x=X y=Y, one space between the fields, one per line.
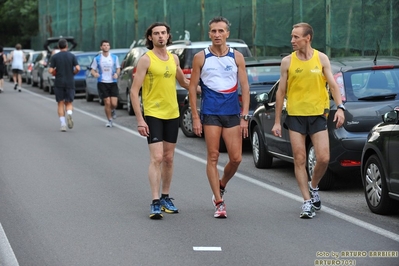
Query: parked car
x=368 y=90
x=262 y=75
x=125 y=79
x=380 y=168
x=28 y=65
x=7 y=51
x=91 y=81
x=186 y=50
x=37 y=70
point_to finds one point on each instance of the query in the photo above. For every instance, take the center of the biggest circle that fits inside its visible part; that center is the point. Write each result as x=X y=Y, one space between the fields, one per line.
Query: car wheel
x=328 y=180
x=29 y=80
x=50 y=87
x=186 y=121
x=375 y=187
x=101 y=101
x=89 y=97
x=262 y=159
x=41 y=83
x=130 y=109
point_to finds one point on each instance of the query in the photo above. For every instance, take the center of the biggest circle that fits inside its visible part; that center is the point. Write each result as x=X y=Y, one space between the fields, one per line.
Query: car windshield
x=85 y=60
x=371 y=85
x=263 y=75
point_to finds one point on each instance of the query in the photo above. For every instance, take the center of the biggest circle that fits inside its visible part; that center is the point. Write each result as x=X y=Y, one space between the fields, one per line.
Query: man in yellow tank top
x=156 y=75
x=303 y=78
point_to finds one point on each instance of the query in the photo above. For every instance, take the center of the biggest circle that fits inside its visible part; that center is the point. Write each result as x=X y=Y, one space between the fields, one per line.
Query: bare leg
x=299 y=153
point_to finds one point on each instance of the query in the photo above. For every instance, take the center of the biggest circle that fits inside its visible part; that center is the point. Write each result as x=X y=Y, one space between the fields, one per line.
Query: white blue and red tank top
x=219 y=83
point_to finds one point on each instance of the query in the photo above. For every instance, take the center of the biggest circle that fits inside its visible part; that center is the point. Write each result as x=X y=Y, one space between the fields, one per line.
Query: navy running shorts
x=64 y=94
x=225 y=121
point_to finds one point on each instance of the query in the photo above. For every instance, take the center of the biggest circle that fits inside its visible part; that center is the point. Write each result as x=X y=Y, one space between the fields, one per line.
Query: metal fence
x=342 y=27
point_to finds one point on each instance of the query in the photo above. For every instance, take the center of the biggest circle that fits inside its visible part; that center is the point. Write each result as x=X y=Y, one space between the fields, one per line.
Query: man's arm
x=243 y=79
x=142 y=67
x=281 y=91
x=339 y=116
x=183 y=81
x=198 y=61
x=93 y=68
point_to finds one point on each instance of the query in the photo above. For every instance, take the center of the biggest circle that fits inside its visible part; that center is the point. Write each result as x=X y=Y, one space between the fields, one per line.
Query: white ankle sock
x=62 y=119
x=69 y=112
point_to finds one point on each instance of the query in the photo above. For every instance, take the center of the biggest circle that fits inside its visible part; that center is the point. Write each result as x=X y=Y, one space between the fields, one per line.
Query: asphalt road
x=82 y=198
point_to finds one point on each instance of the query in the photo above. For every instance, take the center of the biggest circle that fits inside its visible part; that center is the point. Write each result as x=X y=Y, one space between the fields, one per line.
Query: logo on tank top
x=315 y=70
x=228 y=68
x=298 y=70
x=167 y=74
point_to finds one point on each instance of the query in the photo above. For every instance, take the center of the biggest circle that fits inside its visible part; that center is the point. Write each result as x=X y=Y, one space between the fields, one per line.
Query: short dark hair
x=148 y=32
x=104 y=41
x=220 y=19
x=1 y=48
x=307 y=29
x=18 y=46
x=62 y=43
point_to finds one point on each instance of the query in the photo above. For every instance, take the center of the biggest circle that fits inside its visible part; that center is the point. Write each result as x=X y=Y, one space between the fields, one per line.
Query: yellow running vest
x=159 y=88
x=307 y=94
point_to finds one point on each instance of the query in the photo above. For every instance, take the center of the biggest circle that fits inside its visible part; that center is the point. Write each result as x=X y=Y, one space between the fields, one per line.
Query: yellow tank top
x=159 y=88
x=307 y=94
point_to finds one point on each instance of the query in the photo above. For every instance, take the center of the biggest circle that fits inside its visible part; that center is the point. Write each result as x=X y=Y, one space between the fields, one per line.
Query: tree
x=18 y=22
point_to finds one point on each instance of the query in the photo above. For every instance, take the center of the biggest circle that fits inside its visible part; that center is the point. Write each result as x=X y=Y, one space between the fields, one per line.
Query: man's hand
x=277 y=130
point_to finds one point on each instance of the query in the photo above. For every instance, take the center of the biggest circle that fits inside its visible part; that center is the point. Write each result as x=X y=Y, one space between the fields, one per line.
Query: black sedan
x=380 y=168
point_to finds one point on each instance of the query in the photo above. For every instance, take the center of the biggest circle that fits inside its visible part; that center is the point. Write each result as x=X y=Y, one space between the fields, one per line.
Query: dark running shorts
x=1 y=72
x=64 y=94
x=306 y=125
x=225 y=121
x=16 y=71
x=162 y=129
x=106 y=90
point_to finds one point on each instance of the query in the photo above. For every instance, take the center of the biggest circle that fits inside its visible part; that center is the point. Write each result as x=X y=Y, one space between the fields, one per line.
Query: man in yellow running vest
x=303 y=78
x=156 y=75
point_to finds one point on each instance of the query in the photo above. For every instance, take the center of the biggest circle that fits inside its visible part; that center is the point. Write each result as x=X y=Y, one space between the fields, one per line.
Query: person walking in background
x=17 y=59
x=219 y=68
x=106 y=68
x=305 y=72
x=156 y=75
x=3 y=61
x=64 y=66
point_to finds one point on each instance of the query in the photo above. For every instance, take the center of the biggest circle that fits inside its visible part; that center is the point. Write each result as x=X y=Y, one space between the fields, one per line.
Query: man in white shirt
x=106 y=69
x=17 y=59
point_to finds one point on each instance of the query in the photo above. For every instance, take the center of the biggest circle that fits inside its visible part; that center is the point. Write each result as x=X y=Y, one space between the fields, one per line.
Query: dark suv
x=369 y=89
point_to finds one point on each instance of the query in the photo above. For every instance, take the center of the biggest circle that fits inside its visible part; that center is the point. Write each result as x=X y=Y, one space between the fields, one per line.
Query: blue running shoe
x=156 y=211
x=168 y=206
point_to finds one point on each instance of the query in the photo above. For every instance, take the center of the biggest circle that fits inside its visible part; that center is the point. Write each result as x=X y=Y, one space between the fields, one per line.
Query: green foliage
x=18 y=22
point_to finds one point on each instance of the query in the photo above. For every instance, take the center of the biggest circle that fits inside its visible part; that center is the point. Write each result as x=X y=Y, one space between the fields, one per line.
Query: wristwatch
x=342 y=107
x=245 y=117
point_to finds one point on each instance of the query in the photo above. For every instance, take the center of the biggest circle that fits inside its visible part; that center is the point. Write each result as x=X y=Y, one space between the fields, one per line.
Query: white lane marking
x=207 y=248
x=7 y=256
x=350 y=219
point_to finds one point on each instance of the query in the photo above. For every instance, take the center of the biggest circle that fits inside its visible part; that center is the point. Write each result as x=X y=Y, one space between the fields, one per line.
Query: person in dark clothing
x=3 y=60
x=64 y=66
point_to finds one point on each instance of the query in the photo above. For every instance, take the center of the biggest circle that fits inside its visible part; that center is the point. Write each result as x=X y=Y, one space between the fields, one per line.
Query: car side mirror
x=262 y=98
x=390 y=117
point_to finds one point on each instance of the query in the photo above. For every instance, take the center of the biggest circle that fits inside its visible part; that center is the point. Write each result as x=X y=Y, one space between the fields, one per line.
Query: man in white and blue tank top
x=218 y=69
x=105 y=67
